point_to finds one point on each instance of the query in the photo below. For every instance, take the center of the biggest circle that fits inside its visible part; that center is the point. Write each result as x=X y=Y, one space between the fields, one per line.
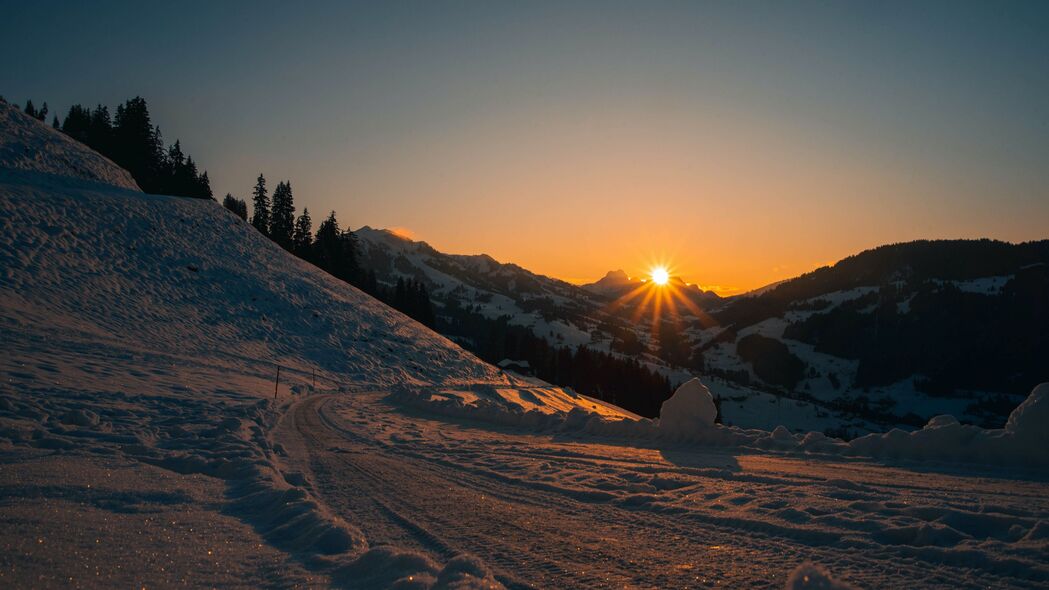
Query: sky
x=739 y=143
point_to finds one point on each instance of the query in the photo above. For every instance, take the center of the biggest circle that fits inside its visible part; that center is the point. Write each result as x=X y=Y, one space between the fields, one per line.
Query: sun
x=660 y=276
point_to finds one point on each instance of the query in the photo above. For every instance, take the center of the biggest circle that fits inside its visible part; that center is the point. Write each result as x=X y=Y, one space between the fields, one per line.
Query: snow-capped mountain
x=186 y=404
x=616 y=284
x=896 y=334
x=822 y=351
x=556 y=310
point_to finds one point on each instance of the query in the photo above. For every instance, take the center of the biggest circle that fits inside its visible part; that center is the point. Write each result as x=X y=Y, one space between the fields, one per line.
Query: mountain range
x=887 y=337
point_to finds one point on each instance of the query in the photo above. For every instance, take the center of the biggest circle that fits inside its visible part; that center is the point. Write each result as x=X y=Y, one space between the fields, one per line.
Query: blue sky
x=742 y=142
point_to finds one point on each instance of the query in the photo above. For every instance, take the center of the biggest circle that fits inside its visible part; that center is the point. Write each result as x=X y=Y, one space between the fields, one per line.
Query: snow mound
x=809 y=576
x=1030 y=420
x=691 y=408
x=30 y=145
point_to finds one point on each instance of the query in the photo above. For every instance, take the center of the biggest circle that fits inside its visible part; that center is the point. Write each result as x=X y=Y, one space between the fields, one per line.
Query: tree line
x=133 y=142
x=331 y=248
x=624 y=382
x=130 y=139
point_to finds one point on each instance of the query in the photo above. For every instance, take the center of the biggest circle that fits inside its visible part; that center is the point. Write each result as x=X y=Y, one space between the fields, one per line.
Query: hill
x=149 y=342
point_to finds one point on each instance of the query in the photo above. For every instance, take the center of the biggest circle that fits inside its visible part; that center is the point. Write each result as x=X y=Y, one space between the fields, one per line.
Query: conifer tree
x=260 y=217
x=30 y=109
x=204 y=187
x=100 y=133
x=135 y=145
x=77 y=124
x=282 y=216
x=237 y=206
x=55 y=124
x=302 y=237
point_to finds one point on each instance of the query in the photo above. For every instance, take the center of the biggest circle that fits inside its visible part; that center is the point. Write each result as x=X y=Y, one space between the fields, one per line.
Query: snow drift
x=689 y=417
x=145 y=328
x=691 y=408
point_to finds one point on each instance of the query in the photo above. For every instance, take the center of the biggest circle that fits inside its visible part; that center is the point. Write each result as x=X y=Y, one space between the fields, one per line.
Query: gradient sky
x=741 y=142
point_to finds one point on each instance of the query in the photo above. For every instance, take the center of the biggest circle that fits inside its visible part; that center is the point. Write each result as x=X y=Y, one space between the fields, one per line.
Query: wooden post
x=276 y=382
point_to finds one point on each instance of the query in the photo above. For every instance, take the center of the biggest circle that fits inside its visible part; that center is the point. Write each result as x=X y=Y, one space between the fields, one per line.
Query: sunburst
x=663 y=296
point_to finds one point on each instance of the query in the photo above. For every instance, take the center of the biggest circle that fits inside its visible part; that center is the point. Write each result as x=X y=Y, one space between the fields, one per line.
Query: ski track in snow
x=140 y=444
x=567 y=511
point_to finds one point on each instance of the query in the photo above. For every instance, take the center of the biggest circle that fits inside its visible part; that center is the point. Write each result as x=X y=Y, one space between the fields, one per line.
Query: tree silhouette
x=282 y=216
x=302 y=236
x=260 y=217
x=237 y=206
x=133 y=143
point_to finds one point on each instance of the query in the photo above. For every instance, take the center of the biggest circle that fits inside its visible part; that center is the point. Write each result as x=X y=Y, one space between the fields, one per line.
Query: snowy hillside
x=554 y=309
x=143 y=337
x=160 y=427
x=892 y=336
x=812 y=357
x=26 y=144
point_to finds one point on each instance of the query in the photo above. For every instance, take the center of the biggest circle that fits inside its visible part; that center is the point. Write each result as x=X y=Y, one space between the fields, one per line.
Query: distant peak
x=615 y=276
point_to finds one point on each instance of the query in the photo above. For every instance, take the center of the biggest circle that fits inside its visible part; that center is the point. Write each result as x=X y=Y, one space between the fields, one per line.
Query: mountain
x=614 y=284
x=888 y=337
x=561 y=313
x=896 y=334
x=151 y=344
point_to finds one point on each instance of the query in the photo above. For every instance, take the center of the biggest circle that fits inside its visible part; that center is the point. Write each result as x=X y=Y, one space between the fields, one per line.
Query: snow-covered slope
x=147 y=343
x=25 y=144
x=146 y=440
x=558 y=311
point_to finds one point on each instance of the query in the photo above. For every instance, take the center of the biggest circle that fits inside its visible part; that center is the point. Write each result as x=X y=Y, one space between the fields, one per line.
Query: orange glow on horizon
x=663 y=297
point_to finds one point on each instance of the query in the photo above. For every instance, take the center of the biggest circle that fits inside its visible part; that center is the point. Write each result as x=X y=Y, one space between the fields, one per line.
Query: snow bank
x=688 y=416
x=1022 y=443
x=29 y=145
x=691 y=408
x=809 y=576
x=538 y=407
x=144 y=329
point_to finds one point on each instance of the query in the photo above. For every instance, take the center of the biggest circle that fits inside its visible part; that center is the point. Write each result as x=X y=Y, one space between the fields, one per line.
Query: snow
x=691 y=408
x=1028 y=421
x=142 y=442
x=809 y=576
x=26 y=144
x=1021 y=443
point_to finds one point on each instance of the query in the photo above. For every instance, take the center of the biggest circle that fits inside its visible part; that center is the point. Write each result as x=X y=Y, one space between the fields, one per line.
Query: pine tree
x=77 y=124
x=41 y=115
x=302 y=237
x=282 y=216
x=100 y=133
x=260 y=217
x=400 y=295
x=335 y=250
x=237 y=206
x=204 y=187
x=327 y=244
x=173 y=180
x=55 y=124
x=30 y=109
x=136 y=145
